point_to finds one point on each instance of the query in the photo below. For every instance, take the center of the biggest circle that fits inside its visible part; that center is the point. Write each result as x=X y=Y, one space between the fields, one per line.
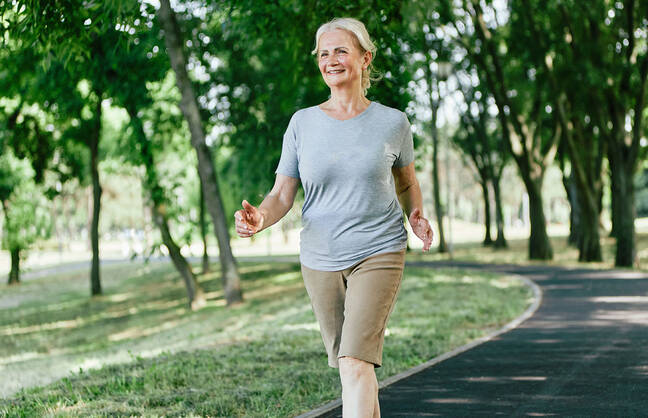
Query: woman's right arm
x=275 y=206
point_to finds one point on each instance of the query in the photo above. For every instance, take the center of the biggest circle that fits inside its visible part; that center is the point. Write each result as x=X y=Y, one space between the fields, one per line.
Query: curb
x=537 y=299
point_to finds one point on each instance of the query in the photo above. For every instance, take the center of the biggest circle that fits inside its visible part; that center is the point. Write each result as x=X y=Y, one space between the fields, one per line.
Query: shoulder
x=395 y=119
x=301 y=115
x=391 y=114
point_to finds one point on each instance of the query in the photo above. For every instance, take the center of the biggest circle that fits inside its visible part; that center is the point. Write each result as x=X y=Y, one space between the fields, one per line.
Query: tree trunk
x=589 y=245
x=589 y=242
x=539 y=244
x=434 y=107
x=95 y=282
x=191 y=112
x=614 y=212
x=194 y=292
x=203 y=231
x=623 y=190
x=500 y=241
x=14 y=274
x=438 y=208
x=575 y=228
x=488 y=241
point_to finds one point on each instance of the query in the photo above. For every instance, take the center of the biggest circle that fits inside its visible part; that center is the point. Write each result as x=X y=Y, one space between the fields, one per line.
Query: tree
x=160 y=217
x=532 y=139
x=25 y=216
x=132 y=70
x=434 y=94
x=74 y=56
x=208 y=176
x=619 y=62
x=480 y=138
x=567 y=71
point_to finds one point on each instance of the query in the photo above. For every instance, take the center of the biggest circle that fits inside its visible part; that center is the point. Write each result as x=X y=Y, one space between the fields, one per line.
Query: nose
x=331 y=58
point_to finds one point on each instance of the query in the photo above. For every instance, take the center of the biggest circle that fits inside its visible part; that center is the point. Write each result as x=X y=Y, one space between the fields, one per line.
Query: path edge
x=528 y=313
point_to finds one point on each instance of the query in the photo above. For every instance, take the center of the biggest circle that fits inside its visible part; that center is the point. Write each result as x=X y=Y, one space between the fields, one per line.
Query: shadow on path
x=584 y=352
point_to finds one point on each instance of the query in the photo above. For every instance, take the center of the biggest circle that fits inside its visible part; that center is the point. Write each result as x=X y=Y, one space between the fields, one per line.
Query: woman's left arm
x=411 y=200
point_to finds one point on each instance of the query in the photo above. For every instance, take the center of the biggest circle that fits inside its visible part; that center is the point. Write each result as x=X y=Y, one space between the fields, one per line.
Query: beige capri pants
x=353 y=305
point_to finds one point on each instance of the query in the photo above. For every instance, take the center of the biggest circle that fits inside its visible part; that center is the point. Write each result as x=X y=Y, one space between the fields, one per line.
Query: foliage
x=251 y=66
x=26 y=214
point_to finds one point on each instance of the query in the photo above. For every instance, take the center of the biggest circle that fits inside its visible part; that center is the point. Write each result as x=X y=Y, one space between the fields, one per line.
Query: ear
x=366 y=59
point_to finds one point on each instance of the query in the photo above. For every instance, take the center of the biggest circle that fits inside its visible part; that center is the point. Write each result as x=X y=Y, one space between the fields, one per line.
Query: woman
x=354 y=158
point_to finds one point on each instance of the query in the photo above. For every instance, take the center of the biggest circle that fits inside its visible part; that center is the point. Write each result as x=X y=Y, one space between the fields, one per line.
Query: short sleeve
x=406 y=152
x=289 y=161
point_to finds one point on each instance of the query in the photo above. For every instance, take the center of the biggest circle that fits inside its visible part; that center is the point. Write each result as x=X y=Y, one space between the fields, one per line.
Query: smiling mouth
x=335 y=72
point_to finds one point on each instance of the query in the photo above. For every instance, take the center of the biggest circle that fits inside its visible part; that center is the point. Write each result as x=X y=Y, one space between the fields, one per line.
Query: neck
x=347 y=100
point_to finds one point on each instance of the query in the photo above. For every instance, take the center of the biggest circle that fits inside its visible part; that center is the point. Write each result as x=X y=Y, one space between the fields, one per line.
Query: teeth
x=335 y=71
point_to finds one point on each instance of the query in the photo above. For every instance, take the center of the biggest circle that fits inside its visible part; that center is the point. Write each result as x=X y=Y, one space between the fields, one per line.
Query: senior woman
x=354 y=159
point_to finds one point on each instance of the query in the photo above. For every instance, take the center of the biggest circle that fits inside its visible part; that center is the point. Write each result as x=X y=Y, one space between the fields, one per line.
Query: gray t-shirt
x=350 y=210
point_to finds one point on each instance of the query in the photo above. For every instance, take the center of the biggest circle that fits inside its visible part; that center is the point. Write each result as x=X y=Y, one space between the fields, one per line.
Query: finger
x=241 y=223
x=244 y=233
x=243 y=228
x=248 y=207
x=428 y=239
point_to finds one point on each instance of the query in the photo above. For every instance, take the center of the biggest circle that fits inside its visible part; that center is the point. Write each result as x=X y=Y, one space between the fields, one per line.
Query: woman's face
x=340 y=60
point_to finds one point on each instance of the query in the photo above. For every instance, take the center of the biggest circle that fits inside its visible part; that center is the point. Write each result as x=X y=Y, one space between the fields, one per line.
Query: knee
x=353 y=369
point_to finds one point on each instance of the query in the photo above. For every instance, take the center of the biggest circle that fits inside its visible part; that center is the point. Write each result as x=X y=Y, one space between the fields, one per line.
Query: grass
x=264 y=357
x=517 y=253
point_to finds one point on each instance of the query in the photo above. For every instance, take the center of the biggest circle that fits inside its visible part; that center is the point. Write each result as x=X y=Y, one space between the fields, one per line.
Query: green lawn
x=261 y=358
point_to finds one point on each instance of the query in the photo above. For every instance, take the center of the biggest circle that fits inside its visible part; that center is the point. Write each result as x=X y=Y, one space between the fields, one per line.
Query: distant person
x=354 y=158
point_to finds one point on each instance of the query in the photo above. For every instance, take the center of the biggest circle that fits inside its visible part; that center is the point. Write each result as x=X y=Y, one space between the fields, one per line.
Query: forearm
x=273 y=208
x=411 y=198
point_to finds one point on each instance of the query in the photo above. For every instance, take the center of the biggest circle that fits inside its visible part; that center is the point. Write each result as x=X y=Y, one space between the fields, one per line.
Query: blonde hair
x=362 y=40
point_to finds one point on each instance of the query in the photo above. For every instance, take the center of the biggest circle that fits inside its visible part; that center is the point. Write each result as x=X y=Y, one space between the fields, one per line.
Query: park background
x=131 y=131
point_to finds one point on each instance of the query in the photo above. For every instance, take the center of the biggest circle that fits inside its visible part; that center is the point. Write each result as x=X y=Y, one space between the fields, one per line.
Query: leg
x=326 y=290
x=376 y=413
x=372 y=287
x=359 y=388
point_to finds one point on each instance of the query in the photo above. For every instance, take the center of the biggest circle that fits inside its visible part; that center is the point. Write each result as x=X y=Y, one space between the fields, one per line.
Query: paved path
x=583 y=353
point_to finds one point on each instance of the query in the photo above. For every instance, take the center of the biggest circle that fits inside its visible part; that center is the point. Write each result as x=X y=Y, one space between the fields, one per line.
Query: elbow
x=406 y=188
x=286 y=200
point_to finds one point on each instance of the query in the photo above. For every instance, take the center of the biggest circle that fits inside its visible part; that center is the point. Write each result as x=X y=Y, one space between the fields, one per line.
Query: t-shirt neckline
x=356 y=117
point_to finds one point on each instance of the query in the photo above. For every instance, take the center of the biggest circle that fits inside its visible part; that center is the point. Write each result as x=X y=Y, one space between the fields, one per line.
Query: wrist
x=263 y=215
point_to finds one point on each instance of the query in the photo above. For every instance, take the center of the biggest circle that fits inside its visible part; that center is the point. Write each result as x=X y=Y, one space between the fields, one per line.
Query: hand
x=249 y=220
x=421 y=228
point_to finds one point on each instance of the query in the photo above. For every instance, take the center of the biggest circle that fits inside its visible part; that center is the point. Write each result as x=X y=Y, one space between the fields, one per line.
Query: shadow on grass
x=77 y=323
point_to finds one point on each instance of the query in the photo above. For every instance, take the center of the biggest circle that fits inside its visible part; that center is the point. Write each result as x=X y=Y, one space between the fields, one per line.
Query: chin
x=337 y=83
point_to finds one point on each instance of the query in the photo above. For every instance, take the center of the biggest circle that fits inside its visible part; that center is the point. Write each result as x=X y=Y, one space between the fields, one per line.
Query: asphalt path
x=583 y=353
